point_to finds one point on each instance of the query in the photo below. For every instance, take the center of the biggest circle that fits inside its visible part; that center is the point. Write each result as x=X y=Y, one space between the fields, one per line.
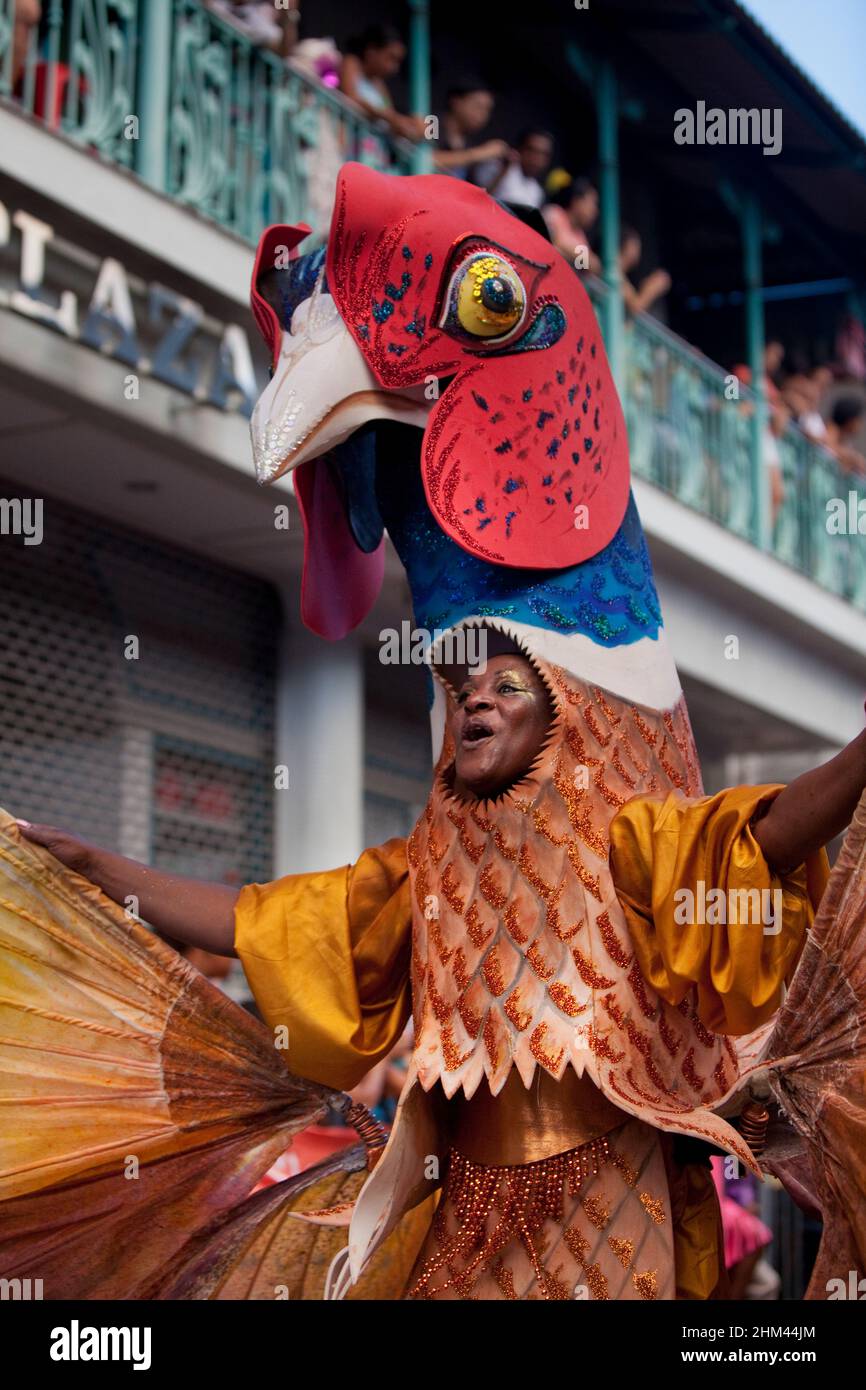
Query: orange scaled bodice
x=521 y=954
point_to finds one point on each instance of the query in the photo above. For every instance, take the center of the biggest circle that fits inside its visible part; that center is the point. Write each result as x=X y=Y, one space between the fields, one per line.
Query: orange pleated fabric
x=137 y=1103
x=659 y=848
x=327 y=956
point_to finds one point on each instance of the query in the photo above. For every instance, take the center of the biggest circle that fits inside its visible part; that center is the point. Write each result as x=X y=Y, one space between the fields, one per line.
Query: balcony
x=175 y=97
x=184 y=100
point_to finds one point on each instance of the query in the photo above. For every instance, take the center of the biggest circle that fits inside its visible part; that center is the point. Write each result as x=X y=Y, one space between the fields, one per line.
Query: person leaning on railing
x=369 y=61
x=640 y=299
x=458 y=151
x=261 y=23
x=570 y=213
x=27 y=16
x=845 y=423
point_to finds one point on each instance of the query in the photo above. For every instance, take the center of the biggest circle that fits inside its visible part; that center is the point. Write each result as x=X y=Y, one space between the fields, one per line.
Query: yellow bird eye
x=486 y=298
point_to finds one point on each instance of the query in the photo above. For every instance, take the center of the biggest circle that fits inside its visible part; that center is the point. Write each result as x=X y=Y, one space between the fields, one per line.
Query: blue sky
x=827 y=38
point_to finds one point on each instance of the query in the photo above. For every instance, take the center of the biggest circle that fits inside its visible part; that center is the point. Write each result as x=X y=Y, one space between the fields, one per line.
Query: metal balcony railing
x=691 y=433
x=167 y=90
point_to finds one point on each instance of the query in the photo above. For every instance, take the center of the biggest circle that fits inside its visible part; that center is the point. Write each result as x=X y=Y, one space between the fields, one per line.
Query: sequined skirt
x=592 y=1223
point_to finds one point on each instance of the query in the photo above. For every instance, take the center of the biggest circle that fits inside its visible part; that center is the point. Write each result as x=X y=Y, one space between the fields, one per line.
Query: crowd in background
x=522 y=171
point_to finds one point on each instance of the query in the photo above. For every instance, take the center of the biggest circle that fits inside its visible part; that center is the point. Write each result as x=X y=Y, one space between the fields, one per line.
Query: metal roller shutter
x=137 y=696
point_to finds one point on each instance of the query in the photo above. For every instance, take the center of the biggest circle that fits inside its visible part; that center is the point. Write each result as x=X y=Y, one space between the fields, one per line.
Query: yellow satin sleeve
x=327 y=955
x=660 y=847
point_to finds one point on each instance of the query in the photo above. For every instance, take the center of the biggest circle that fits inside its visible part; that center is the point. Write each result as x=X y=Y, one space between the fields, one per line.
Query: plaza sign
x=149 y=327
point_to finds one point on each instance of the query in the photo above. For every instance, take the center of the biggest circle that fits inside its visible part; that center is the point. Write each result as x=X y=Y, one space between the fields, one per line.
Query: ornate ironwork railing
x=171 y=91
x=253 y=139
x=691 y=433
x=238 y=134
x=81 y=78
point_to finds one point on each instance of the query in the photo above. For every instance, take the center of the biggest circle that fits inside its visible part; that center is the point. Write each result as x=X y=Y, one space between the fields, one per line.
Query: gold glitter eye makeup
x=485 y=299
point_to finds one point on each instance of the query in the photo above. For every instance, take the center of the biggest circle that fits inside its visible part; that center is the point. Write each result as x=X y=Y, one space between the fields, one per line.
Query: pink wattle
x=340 y=582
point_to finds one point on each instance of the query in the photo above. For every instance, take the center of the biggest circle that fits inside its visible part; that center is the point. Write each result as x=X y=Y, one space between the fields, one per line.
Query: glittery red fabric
x=525 y=454
x=522 y=436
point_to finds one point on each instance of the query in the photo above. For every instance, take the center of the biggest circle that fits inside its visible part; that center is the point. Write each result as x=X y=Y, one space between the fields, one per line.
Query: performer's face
x=499 y=724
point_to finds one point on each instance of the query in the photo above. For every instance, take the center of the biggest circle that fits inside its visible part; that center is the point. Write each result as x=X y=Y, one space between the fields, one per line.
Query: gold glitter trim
x=471 y=1018
x=629 y=1175
x=491 y=1040
x=597 y=1213
x=550 y=1061
x=654 y=1206
x=623 y=1249
x=577 y=1244
x=454 y=1058
x=493 y=1205
x=531 y=874
x=512 y=925
x=597 y=1283
x=478 y=934
x=472 y=850
x=602 y=1048
x=537 y=962
x=591 y=977
x=451 y=890
x=460 y=969
x=644 y=729
x=521 y=1018
x=646 y=1284
x=565 y=1000
x=491 y=890
x=441 y=1010
x=612 y=944
x=688 y=1070
x=491 y=970
x=592 y=724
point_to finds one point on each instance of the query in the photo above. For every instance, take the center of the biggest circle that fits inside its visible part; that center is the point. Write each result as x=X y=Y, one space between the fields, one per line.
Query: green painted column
x=607 y=113
x=154 y=89
x=752 y=229
x=419 y=78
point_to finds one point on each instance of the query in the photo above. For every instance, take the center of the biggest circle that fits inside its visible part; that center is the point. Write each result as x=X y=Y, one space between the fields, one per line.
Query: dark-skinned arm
x=813 y=809
x=198 y=914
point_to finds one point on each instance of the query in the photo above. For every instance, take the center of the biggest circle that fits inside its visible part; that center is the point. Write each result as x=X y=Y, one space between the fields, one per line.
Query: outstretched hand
x=74 y=853
x=198 y=914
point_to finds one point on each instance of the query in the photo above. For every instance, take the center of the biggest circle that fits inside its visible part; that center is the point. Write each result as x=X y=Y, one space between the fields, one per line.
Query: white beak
x=321 y=391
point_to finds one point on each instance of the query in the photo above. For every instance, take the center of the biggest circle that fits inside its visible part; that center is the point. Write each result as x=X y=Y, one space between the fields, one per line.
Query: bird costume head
x=433 y=307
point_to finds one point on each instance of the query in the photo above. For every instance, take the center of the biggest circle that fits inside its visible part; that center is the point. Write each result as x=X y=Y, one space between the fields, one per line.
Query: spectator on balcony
x=27 y=16
x=652 y=288
x=774 y=355
x=263 y=24
x=468 y=112
x=518 y=177
x=844 y=424
x=802 y=394
x=570 y=214
x=778 y=413
x=370 y=60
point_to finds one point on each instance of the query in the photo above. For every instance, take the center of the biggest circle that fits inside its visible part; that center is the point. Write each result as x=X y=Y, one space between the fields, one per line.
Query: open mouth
x=476 y=731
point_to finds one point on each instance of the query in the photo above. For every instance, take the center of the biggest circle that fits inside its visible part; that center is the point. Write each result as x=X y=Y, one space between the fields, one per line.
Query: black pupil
x=497 y=294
